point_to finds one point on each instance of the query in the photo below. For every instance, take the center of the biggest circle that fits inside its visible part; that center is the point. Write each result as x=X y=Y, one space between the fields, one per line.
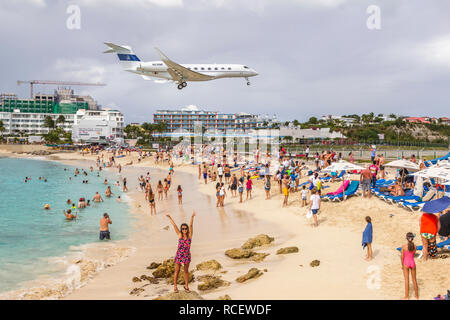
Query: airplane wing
x=178 y=72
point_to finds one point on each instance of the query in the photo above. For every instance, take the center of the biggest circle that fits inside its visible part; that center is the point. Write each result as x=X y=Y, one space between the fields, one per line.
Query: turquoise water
x=30 y=235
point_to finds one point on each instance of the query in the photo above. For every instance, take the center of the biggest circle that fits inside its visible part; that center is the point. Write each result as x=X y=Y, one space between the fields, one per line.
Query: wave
x=79 y=266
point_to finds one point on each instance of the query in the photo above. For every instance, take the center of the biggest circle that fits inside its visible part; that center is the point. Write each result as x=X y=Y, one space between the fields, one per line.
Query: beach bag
x=309 y=214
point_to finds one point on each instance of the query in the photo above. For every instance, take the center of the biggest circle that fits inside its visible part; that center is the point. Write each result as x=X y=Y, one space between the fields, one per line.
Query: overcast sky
x=314 y=57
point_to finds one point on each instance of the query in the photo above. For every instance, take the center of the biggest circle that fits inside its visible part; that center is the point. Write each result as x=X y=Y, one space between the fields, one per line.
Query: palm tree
x=2 y=127
x=61 y=120
x=49 y=123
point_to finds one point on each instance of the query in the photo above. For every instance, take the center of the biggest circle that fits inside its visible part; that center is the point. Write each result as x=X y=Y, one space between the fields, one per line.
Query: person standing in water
x=151 y=200
x=97 y=197
x=183 y=255
x=69 y=216
x=104 y=227
x=408 y=264
x=241 y=188
x=124 y=185
x=249 y=187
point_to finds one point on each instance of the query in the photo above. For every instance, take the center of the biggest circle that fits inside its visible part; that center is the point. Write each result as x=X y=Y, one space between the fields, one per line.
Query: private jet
x=167 y=70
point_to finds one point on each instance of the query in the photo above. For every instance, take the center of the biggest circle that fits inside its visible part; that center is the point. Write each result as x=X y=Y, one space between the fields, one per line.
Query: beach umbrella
x=403 y=164
x=435 y=172
x=436 y=206
x=342 y=165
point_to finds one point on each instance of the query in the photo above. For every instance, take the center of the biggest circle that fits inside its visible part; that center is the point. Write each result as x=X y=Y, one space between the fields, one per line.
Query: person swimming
x=69 y=216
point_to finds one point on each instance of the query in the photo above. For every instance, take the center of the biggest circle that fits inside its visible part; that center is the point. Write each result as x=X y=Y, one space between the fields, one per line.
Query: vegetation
x=144 y=133
x=367 y=128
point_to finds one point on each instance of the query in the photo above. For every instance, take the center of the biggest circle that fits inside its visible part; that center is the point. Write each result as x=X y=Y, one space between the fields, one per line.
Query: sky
x=314 y=57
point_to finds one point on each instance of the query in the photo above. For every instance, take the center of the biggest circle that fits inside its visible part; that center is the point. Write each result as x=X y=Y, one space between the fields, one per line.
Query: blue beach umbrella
x=436 y=206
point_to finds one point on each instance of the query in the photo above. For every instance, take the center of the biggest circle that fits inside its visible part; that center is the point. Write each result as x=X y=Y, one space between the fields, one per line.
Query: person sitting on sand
x=408 y=264
x=104 y=227
x=97 y=197
x=69 y=215
x=183 y=255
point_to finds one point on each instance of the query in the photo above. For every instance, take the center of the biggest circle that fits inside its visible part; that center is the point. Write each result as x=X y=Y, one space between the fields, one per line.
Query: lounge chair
x=339 y=177
x=350 y=191
x=439 y=245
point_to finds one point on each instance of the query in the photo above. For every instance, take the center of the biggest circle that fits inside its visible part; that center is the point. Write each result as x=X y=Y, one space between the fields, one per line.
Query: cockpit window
x=245 y=67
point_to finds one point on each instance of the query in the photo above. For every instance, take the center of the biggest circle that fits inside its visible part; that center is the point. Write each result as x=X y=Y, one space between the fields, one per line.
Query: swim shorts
x=105 y=235
x=314 y=211
x=428 y=236
x=365 y=185
x=432 y=249
x=285 y=191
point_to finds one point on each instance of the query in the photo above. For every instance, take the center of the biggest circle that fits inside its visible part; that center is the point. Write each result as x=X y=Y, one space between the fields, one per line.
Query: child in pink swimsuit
x=409 y=265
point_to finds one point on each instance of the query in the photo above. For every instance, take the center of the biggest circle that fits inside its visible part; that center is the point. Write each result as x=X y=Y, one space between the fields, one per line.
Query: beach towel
x=367 y=235
x=340 y=189
x=418 y=188
x=430 y=194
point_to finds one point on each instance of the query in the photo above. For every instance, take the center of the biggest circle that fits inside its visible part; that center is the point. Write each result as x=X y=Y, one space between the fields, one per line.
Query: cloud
x=132 y=3
x=313 y=57
x=436 y=51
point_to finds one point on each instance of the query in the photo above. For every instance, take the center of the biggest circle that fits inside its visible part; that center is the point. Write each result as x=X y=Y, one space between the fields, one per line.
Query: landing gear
x=181 y=85
x=248 y=82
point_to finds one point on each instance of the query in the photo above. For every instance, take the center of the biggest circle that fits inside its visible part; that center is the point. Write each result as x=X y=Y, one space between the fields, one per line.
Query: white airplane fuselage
x=158 y=69
x=166 y=70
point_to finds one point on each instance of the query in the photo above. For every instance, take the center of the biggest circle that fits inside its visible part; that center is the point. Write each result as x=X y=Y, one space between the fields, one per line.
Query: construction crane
x=57 y=83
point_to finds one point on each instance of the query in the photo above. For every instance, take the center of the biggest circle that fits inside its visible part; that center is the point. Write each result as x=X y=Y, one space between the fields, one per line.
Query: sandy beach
x=336 y=243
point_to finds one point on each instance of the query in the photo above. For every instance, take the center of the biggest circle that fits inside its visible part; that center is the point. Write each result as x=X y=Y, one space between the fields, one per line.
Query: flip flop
x=187 y=290
x=175 y=290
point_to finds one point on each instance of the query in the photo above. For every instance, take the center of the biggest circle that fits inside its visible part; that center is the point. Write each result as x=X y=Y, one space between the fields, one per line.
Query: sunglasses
x=184 y=228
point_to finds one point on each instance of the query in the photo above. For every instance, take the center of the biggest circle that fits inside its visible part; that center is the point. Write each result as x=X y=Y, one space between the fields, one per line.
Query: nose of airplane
x=254 y=73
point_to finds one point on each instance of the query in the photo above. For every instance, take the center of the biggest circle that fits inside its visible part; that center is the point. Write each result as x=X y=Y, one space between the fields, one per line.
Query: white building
x=17 y=122
x=85 y=125
x=98 y=126
x=318 y=133
x=345 y=120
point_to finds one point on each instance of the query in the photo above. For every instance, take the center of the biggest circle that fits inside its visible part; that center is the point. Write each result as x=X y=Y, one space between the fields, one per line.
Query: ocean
x=32 y=238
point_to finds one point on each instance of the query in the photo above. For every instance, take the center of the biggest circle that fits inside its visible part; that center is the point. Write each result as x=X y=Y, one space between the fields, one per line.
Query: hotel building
x=185 y=119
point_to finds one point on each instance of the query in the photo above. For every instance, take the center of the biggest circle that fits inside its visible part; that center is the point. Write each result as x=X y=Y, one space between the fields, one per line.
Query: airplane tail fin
x=127 y=57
